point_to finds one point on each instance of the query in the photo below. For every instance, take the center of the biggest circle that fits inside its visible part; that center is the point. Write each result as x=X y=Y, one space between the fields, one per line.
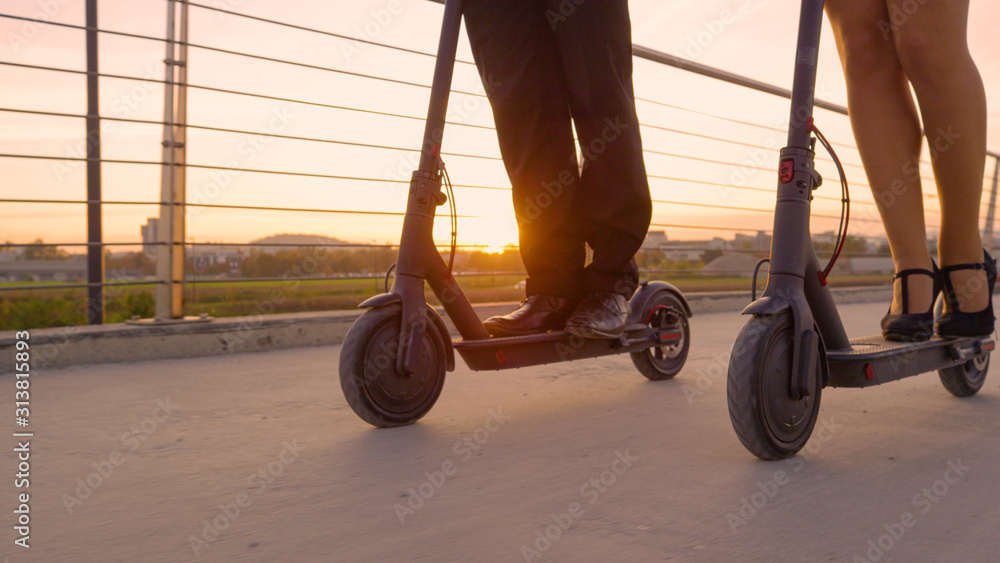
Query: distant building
x=828 y=238
x=206 y=256
x=655 y=239
x=71 y=269
x=149 y=235
x=687 y=250
x=870 y=265
x=760 y=241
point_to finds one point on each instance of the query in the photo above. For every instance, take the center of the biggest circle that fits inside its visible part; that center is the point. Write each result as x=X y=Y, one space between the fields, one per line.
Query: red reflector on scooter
x=787 y=171
x=869 y=372
x=501 y=357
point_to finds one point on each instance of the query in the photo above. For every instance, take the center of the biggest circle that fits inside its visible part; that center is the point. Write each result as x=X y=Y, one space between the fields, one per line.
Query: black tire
x=664 y=309
x=368 y=376
x=967 y=379
x=767 y=420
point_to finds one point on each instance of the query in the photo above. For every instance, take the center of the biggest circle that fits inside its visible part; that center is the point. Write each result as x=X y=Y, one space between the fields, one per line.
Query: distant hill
x=732 y=263
x=288 y=241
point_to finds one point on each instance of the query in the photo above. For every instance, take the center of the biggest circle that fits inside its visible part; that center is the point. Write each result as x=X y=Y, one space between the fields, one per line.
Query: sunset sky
x=754 y=38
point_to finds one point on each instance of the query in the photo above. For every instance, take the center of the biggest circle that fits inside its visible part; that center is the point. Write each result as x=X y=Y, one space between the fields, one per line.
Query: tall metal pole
x=169 y=290
x=95 y=250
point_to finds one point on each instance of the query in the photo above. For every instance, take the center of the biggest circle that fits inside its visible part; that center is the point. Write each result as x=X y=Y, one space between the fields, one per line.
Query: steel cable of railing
x=754 y=209
x=328 y=176
x=53 y=244
x=330 y=106
x=250 y=55
x=243 y=207
x=319 y=31
x=243 y=132
x=82 y=28
x=79 y=285
x=765 y=127
x=732 y=142
x=238 y=93
x=234 y=169
x=649 y=151
x=329 y=69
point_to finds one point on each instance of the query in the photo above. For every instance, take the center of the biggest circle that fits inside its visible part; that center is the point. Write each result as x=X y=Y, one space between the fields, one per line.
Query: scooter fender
x=767 y=305
x=807 y=340
x=380 y=300
x=387 y=299
x=646 y=291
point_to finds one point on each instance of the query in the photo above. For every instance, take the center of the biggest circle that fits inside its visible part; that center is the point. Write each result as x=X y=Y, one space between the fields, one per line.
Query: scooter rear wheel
x=967 y=379
x=768 y=421
x=664 y=310
x=373 y=387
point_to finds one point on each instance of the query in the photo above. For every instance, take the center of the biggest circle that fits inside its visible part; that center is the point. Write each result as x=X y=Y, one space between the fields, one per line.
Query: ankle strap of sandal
x=956 y=267
x=988 y=265
x=904 y=274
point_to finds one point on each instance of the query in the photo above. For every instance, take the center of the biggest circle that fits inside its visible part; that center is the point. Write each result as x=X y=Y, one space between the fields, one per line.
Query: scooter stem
x=793 y=259
x=418 y=257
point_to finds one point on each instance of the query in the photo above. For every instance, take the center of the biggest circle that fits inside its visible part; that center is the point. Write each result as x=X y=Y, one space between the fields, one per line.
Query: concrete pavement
x=257 y=457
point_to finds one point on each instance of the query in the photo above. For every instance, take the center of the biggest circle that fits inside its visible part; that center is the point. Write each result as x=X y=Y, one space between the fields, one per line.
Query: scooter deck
x=873 y=360
x=559 y=346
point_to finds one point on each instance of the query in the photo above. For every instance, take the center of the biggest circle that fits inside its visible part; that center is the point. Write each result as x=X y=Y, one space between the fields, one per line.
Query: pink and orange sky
x=750 y=37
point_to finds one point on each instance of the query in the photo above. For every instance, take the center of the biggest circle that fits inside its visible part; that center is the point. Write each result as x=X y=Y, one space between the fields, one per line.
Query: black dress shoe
x=602 y=314
x=538 y=313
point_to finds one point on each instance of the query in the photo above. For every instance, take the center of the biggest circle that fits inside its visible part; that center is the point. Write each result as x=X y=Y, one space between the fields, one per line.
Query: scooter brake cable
x=452 y=209
x=845 y=201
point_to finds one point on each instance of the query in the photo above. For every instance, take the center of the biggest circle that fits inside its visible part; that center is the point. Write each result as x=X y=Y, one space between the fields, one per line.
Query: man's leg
x=613 y=205
x=516 y=52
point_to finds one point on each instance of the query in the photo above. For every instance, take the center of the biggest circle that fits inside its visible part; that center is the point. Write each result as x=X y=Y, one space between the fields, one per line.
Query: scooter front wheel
x=768 y=421
x=372 y=385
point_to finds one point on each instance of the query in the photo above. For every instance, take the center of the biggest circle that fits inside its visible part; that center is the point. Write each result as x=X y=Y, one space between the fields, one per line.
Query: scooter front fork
x=792 y=260
x=419 y=260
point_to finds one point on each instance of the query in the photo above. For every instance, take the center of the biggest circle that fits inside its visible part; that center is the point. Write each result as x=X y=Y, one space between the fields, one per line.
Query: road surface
x=257 y=457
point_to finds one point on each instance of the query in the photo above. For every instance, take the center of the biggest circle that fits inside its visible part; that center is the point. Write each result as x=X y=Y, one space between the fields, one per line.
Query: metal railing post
x=95 y=250
x=993 y=204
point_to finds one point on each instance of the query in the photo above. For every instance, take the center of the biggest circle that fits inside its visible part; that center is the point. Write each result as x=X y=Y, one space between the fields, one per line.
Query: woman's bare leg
x=933 y=52
x=887 y=130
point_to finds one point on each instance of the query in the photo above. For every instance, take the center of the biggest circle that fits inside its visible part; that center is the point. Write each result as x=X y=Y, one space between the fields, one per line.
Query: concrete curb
x=66 y=346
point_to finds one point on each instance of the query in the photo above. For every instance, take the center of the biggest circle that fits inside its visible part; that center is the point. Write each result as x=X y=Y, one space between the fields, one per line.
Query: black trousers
x=549 y=66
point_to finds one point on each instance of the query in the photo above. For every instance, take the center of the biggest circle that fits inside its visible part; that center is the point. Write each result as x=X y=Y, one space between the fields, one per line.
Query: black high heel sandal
x=959 y=323
x=907 y=326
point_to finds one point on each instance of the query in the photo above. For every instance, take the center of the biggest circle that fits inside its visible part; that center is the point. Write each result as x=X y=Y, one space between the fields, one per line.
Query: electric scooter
x=795 y=345
x=395 y=356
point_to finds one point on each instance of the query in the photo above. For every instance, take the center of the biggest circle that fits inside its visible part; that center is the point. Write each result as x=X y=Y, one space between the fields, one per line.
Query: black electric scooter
x=795 y=343
x=394 y=357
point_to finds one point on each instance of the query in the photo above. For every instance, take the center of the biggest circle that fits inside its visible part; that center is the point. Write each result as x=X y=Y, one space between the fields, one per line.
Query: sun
x=493 y=236
x=494 y=249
